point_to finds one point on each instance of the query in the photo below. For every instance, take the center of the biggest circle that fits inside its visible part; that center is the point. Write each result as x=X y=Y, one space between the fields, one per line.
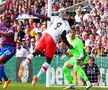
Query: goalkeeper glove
x=79 y=61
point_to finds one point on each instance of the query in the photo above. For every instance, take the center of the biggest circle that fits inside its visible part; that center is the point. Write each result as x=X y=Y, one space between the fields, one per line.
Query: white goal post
x=48 y=23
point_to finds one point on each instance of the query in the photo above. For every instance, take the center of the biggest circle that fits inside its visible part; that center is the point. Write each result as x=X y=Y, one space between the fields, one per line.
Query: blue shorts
x=8 y=51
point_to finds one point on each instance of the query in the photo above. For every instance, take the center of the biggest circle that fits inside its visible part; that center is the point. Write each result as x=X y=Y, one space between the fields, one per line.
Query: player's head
x=71 y=21
x=6 y=21
x=72 y=32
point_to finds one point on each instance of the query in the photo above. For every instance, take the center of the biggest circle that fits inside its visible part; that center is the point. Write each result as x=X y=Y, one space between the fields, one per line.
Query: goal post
x=48 y=25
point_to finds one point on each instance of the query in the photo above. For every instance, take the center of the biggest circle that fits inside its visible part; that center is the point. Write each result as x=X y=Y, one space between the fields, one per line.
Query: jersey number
x=58 y=25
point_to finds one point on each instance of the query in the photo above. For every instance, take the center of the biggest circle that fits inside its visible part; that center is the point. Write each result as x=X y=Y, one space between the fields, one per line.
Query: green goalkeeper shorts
x=72 y=61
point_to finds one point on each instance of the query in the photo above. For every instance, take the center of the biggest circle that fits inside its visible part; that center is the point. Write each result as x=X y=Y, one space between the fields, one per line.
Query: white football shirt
x=58 y=25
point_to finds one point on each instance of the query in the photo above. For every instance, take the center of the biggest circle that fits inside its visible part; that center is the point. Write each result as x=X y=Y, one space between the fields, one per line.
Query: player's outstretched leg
x=6 y=83
x=83 y=75
x=26 y=62
x=67 y=74
x=41 y=72
x=35 y=78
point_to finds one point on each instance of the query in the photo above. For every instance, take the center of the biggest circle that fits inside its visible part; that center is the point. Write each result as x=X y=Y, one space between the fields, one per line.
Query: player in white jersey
x=59 y=25
x=58 y=29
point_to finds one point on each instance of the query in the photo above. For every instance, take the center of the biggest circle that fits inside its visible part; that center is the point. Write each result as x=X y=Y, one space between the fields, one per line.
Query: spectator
x=61 y=49
x=78 y=17
x=20 y=51
x=97 y=24
x=43 y=10
x=44 y=26
x=90 y=51
x=54 y=7
x=85 y=38
x=8 y=3
x=76 y=1
x=33 y=31
x=105 y=45
x=99 y=50
x=61 y=6
x=93 y=8
x=91 y=38
x=27 y=32
x=38 y=36
x=31 y=23
x=92 y=71
x=21 y=33
x=27 y=41
x=32 y=46
x=98 y=5
x=23 y=43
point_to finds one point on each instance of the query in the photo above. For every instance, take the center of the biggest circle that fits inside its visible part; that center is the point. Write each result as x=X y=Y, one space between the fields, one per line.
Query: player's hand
x=79 y=62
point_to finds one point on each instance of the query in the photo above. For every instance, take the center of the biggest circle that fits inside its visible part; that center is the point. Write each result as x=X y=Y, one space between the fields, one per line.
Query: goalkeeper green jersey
x=78 y=47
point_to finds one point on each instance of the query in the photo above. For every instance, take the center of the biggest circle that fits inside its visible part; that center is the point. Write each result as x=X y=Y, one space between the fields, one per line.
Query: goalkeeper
x=79 y=58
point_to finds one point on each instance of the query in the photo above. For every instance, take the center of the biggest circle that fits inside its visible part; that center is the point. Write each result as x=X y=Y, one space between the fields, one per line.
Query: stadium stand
x=91 y=23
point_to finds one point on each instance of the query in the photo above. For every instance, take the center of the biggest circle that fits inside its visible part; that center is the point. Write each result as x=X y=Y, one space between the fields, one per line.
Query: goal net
x=54 y=75
x=57 y=78
x=70 y=11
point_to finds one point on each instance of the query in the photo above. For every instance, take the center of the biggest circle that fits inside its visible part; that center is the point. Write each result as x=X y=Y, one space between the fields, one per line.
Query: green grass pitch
x=27 y=86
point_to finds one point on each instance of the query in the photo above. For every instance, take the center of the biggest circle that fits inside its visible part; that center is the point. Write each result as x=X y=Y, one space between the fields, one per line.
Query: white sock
x=88 y=83
x=28 y=59
x=25 y=63
x=43 y=69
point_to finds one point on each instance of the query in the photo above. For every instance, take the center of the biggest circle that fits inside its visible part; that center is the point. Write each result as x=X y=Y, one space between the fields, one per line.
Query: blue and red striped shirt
x=7 y=40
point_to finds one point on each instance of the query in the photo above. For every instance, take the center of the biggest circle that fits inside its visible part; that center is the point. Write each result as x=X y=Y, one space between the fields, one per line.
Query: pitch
x=27 y=86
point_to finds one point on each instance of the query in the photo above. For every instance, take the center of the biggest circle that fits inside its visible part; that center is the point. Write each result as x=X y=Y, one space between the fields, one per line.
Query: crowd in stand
x=28 y=32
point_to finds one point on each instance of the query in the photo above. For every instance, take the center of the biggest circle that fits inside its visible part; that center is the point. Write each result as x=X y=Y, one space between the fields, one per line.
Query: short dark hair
x=73 y=27
x=7 y=19
x=71 y=21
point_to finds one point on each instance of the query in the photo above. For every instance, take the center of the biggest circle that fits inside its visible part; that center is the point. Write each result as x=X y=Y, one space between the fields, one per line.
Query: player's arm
x=6 y=34
x=43 y=17
x=81 y=51
x=82 y=55
x=64 y=39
